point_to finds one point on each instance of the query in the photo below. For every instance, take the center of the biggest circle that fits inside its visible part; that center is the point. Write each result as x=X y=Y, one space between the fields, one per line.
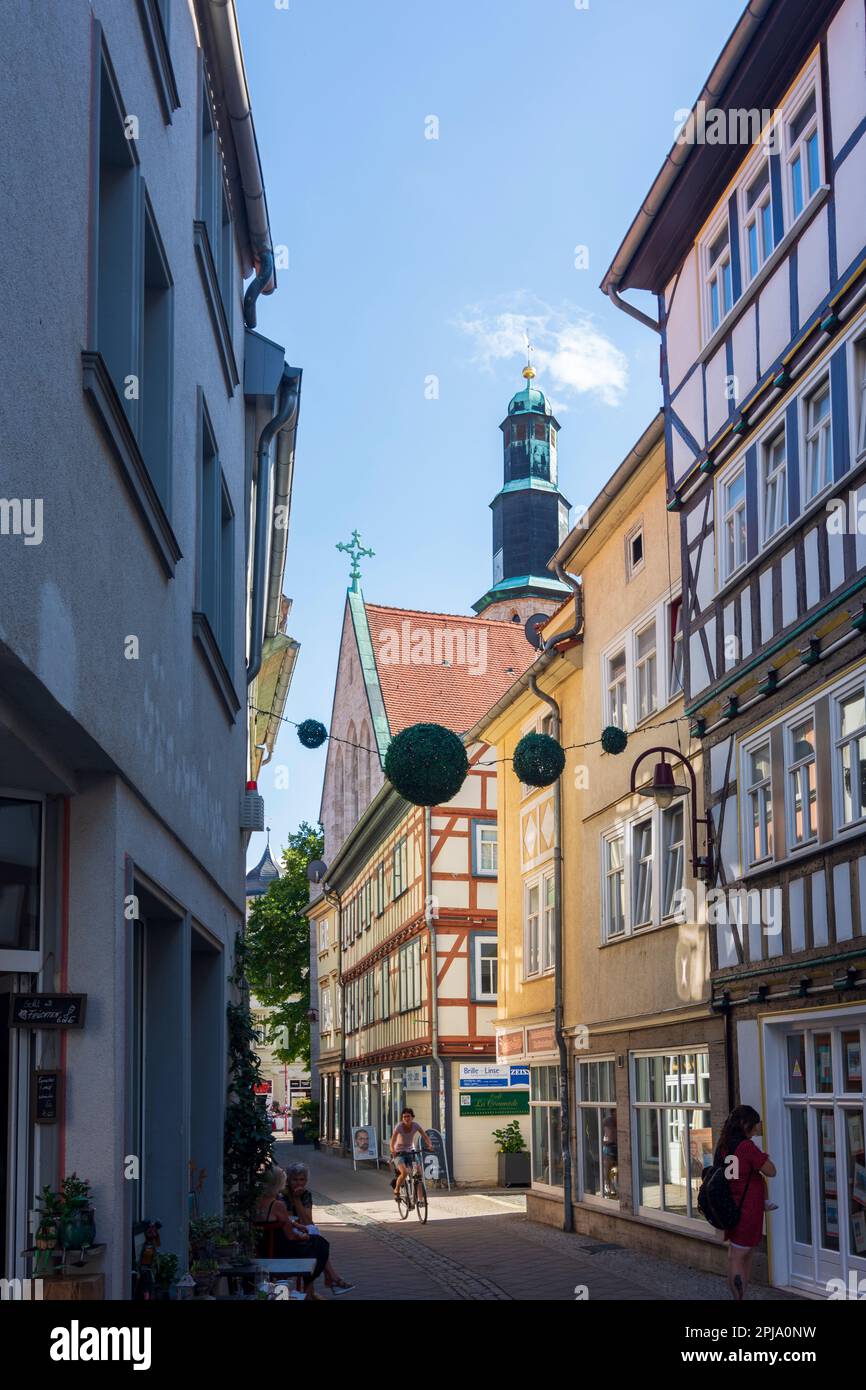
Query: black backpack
x=715 y=1200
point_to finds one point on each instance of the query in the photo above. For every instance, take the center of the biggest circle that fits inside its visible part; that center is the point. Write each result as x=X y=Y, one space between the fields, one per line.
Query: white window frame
x=779 y=476
x=754 y=217
x=674 y=647
x=856 y=685
x=616 y=694
x=625 y=829
x=822 y=433
x=647 y=690
x=323 y=935
x=479 y=829
x=585 y=1103
x=727 y=513
x=480 y=995
x=858 y=395
x=542 y=723
x=764 y=787
x=794 y=770
x=679 y=846
x=669 y=1102
x=626 y=642
x=714 y=274
x=545 y=946
x=797 y=149
x=327 y=1018
x=633 y=567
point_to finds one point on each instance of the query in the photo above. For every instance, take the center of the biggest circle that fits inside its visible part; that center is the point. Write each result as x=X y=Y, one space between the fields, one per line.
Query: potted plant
x=167 y=1267
x=203 y=1233
x=77 y=1219
x=204 y=1272
x=514 y=1165
x=48 y=1231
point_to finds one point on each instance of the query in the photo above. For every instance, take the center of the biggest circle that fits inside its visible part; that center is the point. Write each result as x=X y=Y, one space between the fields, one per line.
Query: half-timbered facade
x=403 y=928
x=757 y=253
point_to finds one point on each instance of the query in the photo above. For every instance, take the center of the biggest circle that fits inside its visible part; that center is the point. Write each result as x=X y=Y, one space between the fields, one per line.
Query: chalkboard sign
x=47 y=1010
x=46 y=1096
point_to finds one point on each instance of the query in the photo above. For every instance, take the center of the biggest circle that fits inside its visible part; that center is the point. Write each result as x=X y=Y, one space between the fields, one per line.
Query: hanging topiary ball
x=426 y=764
x=614 y=740
x=312 y=734
x=538 y=760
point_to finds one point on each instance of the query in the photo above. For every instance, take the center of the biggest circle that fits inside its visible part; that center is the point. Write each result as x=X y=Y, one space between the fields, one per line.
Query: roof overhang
x=759 y=60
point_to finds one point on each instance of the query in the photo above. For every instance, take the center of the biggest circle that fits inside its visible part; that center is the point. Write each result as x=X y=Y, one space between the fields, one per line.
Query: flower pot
x=515 y=1169
x=78 y=1229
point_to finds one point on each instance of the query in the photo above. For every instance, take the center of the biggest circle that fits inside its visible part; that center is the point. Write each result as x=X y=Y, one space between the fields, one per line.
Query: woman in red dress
x=745 y=1165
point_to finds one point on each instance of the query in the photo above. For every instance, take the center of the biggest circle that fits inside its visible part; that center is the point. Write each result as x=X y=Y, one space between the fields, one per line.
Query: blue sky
x=412 y=258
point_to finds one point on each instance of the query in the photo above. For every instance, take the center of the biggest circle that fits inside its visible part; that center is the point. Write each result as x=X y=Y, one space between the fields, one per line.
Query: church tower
x=530 y=514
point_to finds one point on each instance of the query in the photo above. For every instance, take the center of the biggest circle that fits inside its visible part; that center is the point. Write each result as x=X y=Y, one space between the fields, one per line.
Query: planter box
x=515 y=1170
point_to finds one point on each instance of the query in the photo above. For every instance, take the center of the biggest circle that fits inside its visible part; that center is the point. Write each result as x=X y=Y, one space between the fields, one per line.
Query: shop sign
x=541 y=1039
x=473 y=1075
x=416 y=1079
x=47 y=1010
x=46 y=1094
x=263 y=1088
x=509 y=1044
x=494 y=1103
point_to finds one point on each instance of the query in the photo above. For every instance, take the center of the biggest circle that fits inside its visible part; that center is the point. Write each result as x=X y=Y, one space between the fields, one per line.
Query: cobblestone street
x=477 y=1246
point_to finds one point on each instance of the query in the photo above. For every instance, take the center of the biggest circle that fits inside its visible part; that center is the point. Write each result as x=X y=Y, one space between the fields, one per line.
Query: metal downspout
x=288 y=396
x=256 y=286
x=565 y=1115
x=616 y=298
x=429 y=918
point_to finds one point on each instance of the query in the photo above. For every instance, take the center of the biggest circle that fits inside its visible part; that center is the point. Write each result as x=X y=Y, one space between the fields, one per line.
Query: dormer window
x=634 y=553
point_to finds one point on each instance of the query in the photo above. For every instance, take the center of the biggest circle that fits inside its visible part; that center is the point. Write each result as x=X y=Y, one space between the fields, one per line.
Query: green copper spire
x=355 y=550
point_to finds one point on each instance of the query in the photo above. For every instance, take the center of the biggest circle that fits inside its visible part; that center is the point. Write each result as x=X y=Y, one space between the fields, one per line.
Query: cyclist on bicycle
x=403 y=1147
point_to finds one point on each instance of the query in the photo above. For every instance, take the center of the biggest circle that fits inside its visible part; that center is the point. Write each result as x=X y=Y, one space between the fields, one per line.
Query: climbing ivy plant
x=248 y=1140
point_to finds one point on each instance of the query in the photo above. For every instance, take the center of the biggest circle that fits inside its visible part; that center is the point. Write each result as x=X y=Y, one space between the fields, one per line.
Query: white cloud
x=570 y=354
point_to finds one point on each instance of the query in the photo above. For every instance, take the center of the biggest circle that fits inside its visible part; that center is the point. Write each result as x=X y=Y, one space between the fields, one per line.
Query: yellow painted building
x=604 y=988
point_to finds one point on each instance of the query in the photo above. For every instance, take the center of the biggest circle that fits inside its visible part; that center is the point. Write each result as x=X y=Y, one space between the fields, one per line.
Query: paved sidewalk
x=477 y=1246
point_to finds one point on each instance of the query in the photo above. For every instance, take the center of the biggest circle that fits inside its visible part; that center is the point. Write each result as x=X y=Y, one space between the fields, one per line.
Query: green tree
x=248 y=1141
x=278 y=948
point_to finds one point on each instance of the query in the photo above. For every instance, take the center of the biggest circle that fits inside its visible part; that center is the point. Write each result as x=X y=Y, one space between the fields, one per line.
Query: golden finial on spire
x=528 y=370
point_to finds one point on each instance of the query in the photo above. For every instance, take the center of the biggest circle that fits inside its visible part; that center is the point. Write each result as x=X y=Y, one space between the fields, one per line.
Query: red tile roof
x=444 y=668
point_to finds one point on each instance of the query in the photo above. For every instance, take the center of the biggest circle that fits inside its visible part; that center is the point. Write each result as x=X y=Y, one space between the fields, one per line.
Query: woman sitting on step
x=299 y=1200
x=280 y=1236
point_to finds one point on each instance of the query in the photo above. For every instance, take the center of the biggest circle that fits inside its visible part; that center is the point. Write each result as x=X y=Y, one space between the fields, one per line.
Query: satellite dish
x=316 y=870
x=531 y=628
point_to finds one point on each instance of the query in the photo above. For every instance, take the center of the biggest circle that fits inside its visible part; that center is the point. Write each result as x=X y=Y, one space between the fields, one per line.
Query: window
x=642 y=873
x=634 y=553
x=673 y=858
x=802 y=789
x=400 y=868
x=546 y=1120
x=325 y=1014
x=720 y=295
x=409 y=976
x=860 y=393
x=774 y=485
x=673 y=1129
x=539 y=925
x=804 y=158
x=734 y=523
x=323 y=935
x=645 y=671
x=380 y=889
x=486 y=969
x=851 y=755
x=758 y=221
x=213 y=203
x=216 y=545
x=759 y=800
x=819 y=442
x=134 y=293
x=617 y=705
x=596 y=1129
x=486 y=850
x=531 y=944
x=614 y=868
x=675 y=647
x=20 y=879
x=385 y=988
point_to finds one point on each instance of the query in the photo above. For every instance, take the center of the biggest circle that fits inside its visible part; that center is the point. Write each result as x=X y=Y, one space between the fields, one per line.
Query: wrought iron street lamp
x=664 y=789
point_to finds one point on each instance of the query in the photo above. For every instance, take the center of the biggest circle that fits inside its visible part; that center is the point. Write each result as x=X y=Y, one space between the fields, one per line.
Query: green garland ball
x=426 y=764
x=312 y=734
x=614 y=740
x=538 y=760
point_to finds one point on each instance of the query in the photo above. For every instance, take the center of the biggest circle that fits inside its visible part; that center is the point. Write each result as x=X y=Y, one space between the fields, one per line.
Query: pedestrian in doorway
x=299 y=1200
x=747 y=1165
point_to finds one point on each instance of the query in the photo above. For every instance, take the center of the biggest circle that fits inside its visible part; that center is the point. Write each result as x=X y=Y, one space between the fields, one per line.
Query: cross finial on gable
x=355 y=550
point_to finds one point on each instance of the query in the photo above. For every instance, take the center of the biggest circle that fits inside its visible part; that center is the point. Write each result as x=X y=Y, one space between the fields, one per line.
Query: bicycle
x=413 y=1192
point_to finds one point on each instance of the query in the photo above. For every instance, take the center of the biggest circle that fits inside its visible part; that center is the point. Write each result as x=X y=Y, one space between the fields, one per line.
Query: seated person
x=281 y=1235
x=299 y=1200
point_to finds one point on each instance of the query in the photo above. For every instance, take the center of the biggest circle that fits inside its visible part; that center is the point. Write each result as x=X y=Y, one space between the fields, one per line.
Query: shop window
x=674 y=1131
x=546 y=1122
x=596 y=1126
